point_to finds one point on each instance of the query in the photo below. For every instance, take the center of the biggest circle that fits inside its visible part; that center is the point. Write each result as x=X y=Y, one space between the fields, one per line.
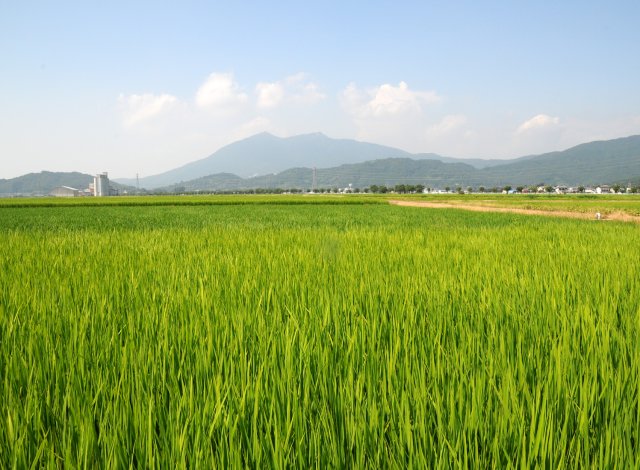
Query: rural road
x=619 y=216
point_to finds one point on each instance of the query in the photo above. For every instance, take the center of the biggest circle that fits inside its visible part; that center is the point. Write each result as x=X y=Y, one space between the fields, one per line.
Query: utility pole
x=137 y=183
x=313 y=184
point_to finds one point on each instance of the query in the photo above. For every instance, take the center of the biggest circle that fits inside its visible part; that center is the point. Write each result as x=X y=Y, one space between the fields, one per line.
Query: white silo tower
x=101 y=184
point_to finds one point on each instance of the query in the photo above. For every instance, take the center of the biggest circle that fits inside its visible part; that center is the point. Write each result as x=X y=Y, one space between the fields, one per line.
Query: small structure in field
x=65 y=191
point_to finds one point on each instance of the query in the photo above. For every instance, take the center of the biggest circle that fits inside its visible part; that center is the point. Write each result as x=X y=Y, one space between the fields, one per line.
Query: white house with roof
x=65 y=191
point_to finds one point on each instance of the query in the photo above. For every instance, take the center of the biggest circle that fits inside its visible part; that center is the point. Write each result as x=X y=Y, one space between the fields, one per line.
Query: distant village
x=536 y=189
x=101 y=187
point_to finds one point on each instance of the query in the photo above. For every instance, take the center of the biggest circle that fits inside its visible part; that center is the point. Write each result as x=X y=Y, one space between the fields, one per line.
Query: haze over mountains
x=265 y=153
x=267 y=161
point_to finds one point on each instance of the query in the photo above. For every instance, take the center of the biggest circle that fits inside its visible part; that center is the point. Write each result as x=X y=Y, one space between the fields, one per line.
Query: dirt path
x=619 y=216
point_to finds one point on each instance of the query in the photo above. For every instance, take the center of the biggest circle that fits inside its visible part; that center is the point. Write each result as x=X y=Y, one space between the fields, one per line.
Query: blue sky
x=143 y=87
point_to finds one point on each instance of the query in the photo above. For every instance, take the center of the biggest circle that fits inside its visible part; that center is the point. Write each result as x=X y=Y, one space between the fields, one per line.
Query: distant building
x=65 y=191
x=101 y=185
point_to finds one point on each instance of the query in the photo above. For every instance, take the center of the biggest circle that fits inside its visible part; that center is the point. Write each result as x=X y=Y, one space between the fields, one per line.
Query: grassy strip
x=208 y=200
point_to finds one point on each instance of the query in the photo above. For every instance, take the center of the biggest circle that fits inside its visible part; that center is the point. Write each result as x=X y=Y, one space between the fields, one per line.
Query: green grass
x=552 y=202
x=316 y=335
x=190 y=200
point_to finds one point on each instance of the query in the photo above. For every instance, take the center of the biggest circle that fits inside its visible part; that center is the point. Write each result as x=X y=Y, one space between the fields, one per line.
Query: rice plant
x=321 y=335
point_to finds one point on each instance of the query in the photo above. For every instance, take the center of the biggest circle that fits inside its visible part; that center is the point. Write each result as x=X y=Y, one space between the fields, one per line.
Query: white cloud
x=386 y=100
x=220 y=93
x=391 y=114
x=541 y=133
x=269 y=94
x=541 y=121
x=139 y=108
x=447 y=125
x=293 y=89
x=394 y=100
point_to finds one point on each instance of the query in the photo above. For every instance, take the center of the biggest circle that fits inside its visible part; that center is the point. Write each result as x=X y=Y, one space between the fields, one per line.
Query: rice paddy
x=289 y=334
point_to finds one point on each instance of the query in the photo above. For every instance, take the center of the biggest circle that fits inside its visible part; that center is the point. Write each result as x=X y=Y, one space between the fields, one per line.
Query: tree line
x=381 y=189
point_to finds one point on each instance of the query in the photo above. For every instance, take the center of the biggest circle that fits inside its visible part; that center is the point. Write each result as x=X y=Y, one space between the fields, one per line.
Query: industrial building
x=65 y=191
x=101 y=185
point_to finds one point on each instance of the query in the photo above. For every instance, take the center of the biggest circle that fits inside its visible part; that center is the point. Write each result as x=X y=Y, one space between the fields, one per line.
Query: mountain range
x=265 y=154
x=264 y=160
x=267 y=161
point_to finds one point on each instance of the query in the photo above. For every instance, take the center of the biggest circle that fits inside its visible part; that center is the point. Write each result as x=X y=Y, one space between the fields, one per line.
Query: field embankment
x=617 y=215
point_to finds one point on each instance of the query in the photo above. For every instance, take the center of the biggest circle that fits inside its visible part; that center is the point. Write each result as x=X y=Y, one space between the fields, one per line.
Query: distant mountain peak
x=260 y=135
x=311 y=134
x=265 y=153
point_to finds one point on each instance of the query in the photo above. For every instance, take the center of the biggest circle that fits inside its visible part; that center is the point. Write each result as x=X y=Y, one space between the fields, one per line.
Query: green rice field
x=284 y=331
